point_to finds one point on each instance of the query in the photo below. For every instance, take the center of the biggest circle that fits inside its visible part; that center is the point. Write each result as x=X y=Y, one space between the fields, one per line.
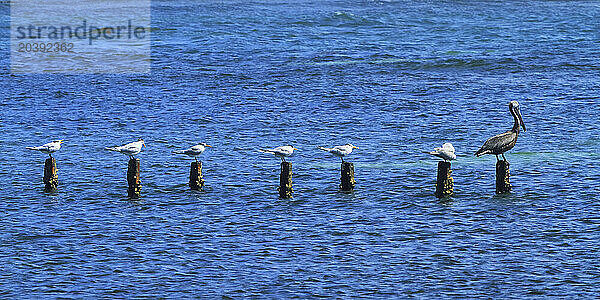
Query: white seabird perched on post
x=340 y=151
x=281 y=152
x=446 y=152
x=48 y=148
x=194 y=151
x=130 y=149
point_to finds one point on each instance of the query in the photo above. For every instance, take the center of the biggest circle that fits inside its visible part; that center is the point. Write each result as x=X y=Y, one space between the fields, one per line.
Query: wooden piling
x=196 y=180
x=347 y=178
x=503 y=177
x=50 y=176
x=285 y=180
x=444 y=186
x=133 y=178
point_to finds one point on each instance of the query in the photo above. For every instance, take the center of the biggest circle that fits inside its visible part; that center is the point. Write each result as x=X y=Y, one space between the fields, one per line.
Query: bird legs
x=342 y=159
x=503 y=157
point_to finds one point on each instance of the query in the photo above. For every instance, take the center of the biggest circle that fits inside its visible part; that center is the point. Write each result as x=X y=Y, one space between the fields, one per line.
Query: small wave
x=424 y=64
x=347 y=19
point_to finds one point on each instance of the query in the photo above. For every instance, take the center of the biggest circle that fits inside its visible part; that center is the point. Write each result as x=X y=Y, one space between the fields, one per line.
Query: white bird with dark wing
x=194 y=151
x=48 y=148
x=340 y=151
x=281 y=152
x=446 y=152
x=501 y=143
x=130 y=149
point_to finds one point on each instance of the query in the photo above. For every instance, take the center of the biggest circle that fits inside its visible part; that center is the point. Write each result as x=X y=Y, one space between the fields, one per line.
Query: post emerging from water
x=444 y=186
x=503 y=177
x=50 y=177
x=133 y=178
x=196 y=180
x=285 y=180
x=347 y=177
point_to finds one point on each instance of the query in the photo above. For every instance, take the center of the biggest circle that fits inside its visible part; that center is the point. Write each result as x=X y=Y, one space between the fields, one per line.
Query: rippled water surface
x=393 y=77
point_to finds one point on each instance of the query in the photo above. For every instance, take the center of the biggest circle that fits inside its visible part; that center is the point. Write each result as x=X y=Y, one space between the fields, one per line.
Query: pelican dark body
x=501 y=143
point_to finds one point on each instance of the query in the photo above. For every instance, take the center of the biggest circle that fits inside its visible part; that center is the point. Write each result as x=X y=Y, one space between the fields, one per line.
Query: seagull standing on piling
x=446 y=152
x=48 y=148
x=193 y=151
x=340 y=151
x=130 y=149
x=281 y=152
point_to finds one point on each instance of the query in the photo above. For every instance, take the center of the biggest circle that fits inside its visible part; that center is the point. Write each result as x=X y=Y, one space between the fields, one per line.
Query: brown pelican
x=503 y=142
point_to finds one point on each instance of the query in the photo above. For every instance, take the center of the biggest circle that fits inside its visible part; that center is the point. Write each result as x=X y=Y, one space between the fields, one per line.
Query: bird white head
x=513 y=106
x=353 y=147
x=142 y=140
x=448 y=147
x=59 y=141
x=206 y=145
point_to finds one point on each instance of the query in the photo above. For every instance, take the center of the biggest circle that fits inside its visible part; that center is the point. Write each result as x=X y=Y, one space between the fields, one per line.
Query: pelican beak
x=521 y=119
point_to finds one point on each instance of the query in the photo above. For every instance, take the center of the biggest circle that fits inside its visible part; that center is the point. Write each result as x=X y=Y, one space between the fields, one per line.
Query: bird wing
x=338 y=151
x=131 y=147
x=127 y=148
x=495 y=142
x=267 y=150
x=447 y=155
x=197 y=148
x=282 y=150
x=186 y=151
x=342 y=150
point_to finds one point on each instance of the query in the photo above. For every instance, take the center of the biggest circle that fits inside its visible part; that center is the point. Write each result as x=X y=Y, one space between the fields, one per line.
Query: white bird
x=446 y=152
x=194 y=151
x=130 y=149
x=48 y=148
x=281 y=152
x=340 y=151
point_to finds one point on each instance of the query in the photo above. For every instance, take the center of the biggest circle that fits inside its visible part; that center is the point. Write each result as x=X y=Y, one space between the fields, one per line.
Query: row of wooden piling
x=196 y=180
x=135 y=186
x=444 y=184
x=285 y=179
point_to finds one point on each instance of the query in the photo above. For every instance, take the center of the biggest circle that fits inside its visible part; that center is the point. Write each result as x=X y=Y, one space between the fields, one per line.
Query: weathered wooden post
x=133 y=178
x=444 y=186
x=347 y=178
x=196 y=180
x=503 y=177
x=285 y=180
x=50 y=176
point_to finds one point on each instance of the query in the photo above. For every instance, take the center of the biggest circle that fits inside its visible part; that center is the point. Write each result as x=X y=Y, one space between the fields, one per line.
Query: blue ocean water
x=392 y=77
